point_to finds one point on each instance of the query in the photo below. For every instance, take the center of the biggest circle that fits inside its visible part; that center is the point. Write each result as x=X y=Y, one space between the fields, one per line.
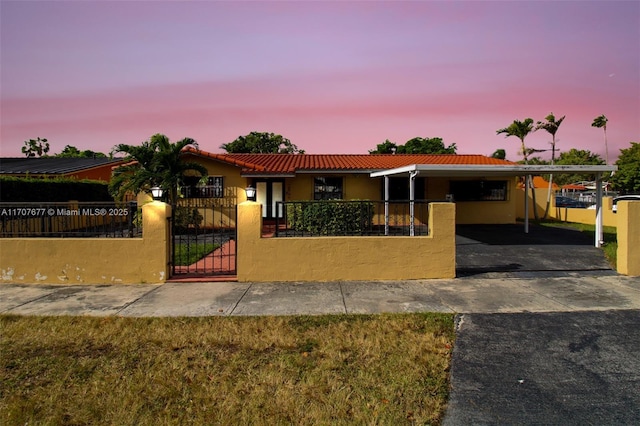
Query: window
x=479 y=190
x=213 y=189
x=327 y=188
x=399 y=188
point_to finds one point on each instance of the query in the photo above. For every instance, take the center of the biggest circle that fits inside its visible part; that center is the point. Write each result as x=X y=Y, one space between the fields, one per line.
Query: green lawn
x=331 y=369
x=188 y=254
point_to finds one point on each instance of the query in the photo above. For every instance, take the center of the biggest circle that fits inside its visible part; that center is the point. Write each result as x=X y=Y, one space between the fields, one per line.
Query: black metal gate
x=203 y=238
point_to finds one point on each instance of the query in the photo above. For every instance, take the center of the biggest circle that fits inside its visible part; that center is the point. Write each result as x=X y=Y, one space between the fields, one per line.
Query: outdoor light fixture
x=156 y=193
x=251 y=193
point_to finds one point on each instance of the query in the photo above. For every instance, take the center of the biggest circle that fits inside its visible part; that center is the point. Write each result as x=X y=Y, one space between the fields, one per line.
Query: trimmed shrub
x=331 y=217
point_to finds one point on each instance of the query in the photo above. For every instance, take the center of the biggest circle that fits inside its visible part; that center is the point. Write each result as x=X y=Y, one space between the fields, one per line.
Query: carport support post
x=599 y=230
x=386 y=204
x=526 y=204
x=412 y=195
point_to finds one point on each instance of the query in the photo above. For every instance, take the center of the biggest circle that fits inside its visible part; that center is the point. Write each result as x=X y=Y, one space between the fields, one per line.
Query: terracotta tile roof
x=540 y=182
x=292 y=163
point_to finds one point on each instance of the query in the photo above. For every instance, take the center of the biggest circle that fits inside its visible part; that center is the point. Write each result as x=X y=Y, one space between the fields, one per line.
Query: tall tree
x=416 y=145
x=261 y=143
x=550 y=125
x=521 y=129
x=577 y=157
x=627 y=178
x=156 y=162
x=34 y=147
x=601 y=123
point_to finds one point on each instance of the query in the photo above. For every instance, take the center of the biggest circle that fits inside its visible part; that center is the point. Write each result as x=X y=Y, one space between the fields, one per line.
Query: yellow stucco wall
x=234 y=184
x=345 y=258
x=480 y=212
x=91 y=260
x=628 y=255
x=564 y=214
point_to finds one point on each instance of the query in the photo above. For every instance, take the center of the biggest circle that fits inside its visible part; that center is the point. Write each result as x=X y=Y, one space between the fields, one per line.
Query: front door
x=268 y=193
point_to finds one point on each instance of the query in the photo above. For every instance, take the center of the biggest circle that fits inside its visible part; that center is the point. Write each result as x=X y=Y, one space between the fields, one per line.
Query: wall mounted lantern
x=251 y=193
x=156 y=193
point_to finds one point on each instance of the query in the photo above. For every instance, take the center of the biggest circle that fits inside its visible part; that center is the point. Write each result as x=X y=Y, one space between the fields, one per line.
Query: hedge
x=13 y=189
x=330 y=217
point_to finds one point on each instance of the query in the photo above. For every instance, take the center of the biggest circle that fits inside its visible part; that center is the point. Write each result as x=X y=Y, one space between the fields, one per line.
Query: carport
x=478 y=171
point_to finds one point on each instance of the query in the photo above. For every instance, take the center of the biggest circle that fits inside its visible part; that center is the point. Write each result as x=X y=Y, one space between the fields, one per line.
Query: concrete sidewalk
x=477 y=295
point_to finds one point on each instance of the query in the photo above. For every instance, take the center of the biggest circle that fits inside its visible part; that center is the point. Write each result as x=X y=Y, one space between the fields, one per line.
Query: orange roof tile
x=292 y=163
x=540 y=182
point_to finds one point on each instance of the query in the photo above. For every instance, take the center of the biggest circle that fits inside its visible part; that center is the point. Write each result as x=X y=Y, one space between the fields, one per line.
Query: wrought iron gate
x=203 y=238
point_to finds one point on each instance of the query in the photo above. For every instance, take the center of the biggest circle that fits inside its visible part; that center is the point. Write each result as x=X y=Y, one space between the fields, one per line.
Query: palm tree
x=156 y=162
x=601 y=123
x=551 y=125
x=521 y=129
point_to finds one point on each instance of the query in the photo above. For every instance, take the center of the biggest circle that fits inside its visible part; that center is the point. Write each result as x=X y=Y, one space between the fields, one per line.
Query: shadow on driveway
x=506 y=251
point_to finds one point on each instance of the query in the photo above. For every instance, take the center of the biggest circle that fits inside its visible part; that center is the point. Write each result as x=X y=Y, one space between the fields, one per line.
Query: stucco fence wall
x=146 y=259
x=92 y=260
x=346 y=258
x=565 y=214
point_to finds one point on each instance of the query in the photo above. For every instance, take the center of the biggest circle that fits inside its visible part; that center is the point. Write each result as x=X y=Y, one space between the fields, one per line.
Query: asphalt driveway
x=505 y=251
x=561 y=368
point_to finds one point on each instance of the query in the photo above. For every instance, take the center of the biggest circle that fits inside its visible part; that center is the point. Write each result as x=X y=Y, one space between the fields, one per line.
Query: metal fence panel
x=72 y=219
x=353 y=218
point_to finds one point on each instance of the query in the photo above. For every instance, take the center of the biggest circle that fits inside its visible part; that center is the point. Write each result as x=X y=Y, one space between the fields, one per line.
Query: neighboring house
x=479 y=196
x=52 y=167
x=540 y=182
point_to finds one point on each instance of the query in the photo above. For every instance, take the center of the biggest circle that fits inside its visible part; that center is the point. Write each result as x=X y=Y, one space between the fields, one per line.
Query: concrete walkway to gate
x=221 y=261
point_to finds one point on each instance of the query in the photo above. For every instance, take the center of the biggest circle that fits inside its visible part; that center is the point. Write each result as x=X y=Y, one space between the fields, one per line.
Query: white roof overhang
x=446 y=170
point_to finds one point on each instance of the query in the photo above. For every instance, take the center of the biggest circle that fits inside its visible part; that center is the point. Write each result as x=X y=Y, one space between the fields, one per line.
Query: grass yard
x=332 y=369
x=610 y=237
x=188 y=254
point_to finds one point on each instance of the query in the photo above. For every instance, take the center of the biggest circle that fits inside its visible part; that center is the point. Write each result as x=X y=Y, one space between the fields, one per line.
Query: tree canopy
x=70 y=151
x=35 y=147
x=261 y=143
x=627 y=178
x=155 y=162
x=499 y=153
x=416 y=145
x=577 y=157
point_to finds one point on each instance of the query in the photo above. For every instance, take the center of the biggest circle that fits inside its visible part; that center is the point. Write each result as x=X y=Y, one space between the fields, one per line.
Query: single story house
x=299 y=177
x=483 y=188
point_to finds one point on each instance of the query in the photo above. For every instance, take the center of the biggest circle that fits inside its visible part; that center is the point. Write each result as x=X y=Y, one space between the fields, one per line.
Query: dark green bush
x=13 y=189
x=186 y=219
x=330 y=217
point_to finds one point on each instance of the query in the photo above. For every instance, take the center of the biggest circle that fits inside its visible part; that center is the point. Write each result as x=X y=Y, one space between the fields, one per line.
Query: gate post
x=248 y=230
x=157 y=237
x=628 y=224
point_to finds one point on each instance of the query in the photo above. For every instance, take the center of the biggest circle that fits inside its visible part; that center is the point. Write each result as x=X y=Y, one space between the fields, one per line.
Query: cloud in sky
x=334 y=77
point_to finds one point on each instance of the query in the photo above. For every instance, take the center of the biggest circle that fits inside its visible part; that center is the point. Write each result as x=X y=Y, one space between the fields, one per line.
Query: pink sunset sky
x=333 y=77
